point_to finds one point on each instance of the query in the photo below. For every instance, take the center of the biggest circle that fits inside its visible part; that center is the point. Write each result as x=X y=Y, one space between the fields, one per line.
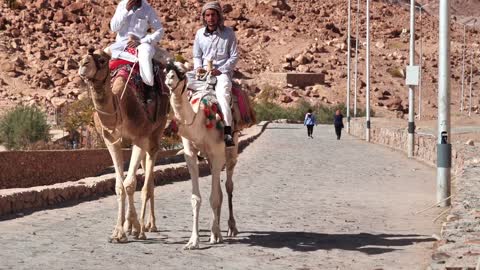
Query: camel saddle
x=242 y=109
x=155 y=99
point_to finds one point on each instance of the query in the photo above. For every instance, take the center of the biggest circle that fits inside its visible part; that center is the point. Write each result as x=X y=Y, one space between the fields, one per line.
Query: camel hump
x=162 y=56
x=242 y=108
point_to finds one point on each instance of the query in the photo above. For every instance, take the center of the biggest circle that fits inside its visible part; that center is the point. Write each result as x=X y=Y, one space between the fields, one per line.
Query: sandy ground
x=300 y=204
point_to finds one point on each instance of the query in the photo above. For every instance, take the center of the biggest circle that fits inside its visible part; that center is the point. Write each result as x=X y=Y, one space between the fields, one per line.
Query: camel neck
x=102 y=97
x=182 y=108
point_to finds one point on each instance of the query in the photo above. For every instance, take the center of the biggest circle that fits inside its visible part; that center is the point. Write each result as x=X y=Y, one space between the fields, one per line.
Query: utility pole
x=462 y=98
x=444 y=148
x=356 y=59
x=348 y=66
x=421 y=66
x=471 y=86
x=411 y=95
x=367 y=73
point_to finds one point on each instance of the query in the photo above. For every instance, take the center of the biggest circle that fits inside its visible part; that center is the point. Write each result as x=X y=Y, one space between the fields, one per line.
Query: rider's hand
x=201 y=71
x=133 y=42
x=216 y=72
x=132 y=3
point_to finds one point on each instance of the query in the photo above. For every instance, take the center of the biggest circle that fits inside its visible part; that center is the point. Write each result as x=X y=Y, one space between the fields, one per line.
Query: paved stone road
x=300 y=204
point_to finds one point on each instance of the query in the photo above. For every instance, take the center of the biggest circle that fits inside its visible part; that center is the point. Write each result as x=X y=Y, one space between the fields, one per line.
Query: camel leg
x=192 y=164
x=148 y=225
x=231 y=154
x=147 y=193
x=130 y=184
x=151 y=227
x=118 y=234
x=216 y=197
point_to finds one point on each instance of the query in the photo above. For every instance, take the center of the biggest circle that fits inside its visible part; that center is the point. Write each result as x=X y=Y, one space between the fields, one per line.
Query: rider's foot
x=228 y=140
x=228 y=137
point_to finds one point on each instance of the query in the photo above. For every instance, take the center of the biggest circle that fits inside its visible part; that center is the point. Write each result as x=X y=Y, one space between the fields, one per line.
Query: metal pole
x=462 y=97
x=444 y=148
x=348 y=66
x=367 y=73
x=356 y=60
x=471 y=86
x=421 y=67
x=411 y=95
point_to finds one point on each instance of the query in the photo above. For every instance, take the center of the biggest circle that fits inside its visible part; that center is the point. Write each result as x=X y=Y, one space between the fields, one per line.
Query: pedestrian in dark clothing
x=310 y=121
x=338 y=123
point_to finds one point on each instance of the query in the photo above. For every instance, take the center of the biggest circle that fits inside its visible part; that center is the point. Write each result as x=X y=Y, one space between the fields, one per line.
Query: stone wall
x=25 y=200
x=459 y=247
x=22 y=169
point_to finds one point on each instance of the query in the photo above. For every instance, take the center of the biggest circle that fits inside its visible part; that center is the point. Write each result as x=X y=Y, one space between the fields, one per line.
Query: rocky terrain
x=41 y=42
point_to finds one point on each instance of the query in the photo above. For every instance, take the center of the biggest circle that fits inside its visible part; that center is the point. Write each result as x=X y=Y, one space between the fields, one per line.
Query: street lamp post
x=348 y=66
x=471 y=86
x=421 y=65
x=356 y=60
x=367 y=73
x=471 y=80
x=411 y=96
x=444 y=148
x=462 y=95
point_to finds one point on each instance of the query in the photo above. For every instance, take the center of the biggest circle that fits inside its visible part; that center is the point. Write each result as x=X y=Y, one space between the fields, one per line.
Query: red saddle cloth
x=123 y=68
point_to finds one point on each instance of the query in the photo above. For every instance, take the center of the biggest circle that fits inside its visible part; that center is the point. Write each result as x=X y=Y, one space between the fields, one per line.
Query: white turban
x=215 y=6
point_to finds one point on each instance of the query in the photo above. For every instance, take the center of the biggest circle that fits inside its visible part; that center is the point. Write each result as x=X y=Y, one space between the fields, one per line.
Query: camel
x=119 y=115
x=198 y=138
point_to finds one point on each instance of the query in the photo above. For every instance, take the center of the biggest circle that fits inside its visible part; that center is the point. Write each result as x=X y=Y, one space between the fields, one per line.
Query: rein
x=116 y=112
x=183 y=123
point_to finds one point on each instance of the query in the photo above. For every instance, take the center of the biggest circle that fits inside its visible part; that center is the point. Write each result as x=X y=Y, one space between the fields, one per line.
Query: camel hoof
x=153 y=229
x=216 y=239
x=135 y=234
x=232 y=232
x=118 y=236
x=192 y=244
x=142 y=236
x=118 y=240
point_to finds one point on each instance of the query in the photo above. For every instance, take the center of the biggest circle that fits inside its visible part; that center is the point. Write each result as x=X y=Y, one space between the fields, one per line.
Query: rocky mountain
x=41 y=42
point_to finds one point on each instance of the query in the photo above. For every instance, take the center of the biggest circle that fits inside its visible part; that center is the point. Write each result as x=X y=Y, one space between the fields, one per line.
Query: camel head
x=94 y=66
x=175 y=75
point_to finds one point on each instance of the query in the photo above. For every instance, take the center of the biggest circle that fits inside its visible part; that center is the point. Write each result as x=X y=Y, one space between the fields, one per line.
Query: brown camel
x=120 y=115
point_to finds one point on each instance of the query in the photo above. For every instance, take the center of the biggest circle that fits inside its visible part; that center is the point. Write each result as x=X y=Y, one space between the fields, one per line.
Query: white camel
x=198 y=138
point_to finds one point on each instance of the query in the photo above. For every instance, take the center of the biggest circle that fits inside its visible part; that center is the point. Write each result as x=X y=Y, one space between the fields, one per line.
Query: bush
x=268 y=111
x=79 y=114
x=23 y=126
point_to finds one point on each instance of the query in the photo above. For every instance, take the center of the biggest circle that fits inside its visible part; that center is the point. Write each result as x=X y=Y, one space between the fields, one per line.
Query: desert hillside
x=41 y=42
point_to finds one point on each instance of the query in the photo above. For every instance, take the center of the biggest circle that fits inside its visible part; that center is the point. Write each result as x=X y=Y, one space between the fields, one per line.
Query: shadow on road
x=370 y=244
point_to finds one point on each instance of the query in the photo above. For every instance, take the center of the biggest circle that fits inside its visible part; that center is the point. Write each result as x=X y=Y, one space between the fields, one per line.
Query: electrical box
x=413 y=75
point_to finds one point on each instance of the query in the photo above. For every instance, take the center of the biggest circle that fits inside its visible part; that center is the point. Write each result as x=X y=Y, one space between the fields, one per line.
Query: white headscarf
x=215 y=6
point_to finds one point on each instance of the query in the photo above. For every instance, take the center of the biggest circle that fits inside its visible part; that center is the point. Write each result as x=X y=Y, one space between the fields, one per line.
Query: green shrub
x=79 y=114
x=268 y=111
x=23 y=126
